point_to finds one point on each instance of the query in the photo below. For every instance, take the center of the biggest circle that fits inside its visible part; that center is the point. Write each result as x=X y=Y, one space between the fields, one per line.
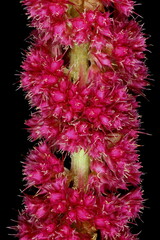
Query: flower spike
x=82 y=75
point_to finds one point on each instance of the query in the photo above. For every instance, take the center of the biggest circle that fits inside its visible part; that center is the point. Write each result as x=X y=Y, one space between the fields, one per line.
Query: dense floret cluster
x=90 y=105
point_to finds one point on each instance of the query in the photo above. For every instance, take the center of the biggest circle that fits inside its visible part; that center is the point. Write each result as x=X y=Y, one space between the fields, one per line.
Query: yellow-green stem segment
x=80 y=168
x=79 y=63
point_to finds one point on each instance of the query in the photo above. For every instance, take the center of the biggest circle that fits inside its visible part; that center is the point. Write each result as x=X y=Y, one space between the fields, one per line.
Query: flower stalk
x=79 y=63
x=80 y=169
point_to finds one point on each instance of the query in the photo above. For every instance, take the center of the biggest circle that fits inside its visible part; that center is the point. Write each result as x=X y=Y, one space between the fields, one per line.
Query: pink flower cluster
x=99 y=116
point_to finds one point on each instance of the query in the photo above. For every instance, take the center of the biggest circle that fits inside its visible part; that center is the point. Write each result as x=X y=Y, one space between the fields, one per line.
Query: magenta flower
x=82 y=76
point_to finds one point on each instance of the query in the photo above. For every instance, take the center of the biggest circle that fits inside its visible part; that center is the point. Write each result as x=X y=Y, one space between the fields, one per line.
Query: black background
x=14 y=110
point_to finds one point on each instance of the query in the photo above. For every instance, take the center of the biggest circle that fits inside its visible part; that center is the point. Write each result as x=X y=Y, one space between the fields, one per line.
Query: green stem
x=79 y=71
x=80 y=168
x=79 y=63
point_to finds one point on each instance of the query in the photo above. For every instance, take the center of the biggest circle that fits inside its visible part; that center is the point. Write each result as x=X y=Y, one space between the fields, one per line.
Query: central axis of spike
x=78 y=68
x=80 y=162
x=80 y=168
x=79 y=63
